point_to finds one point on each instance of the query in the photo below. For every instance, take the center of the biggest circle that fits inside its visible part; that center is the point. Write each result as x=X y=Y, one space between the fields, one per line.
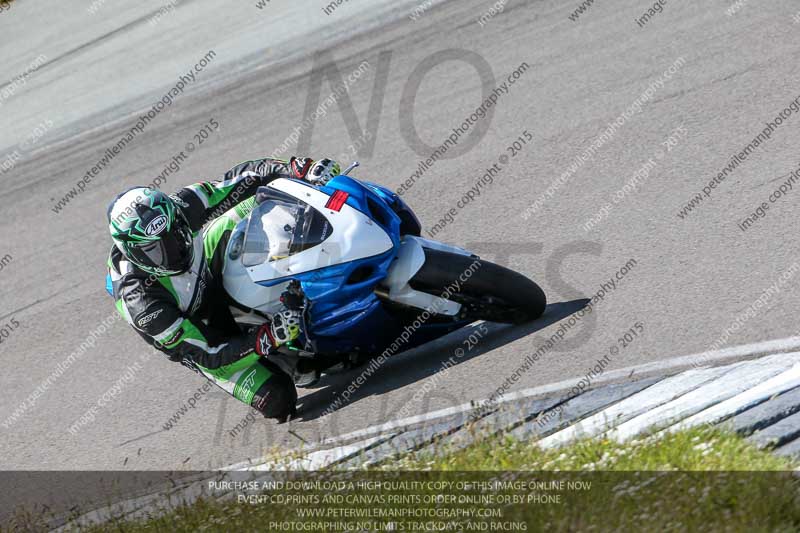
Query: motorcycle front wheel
x=485 y=290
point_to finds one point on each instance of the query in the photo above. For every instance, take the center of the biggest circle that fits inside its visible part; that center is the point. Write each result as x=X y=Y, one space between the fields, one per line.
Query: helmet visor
x=171 y=253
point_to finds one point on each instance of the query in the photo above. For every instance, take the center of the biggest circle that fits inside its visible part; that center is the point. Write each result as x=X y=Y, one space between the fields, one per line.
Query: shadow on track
x=418 y=363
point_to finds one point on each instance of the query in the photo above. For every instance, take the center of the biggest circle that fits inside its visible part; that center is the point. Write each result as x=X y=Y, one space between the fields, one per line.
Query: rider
x=166 y=277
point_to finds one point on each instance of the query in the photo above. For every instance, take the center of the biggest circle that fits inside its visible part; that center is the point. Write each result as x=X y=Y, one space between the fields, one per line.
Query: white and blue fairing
x=349 y=244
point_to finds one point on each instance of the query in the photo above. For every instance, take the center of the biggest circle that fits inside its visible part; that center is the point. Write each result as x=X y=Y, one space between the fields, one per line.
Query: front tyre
x=485 y=290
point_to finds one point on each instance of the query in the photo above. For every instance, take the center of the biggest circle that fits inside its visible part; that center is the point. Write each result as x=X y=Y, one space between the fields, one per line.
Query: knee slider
x=277 y=397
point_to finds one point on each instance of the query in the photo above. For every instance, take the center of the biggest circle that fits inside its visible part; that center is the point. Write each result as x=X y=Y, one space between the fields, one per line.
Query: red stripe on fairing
x=337 y=200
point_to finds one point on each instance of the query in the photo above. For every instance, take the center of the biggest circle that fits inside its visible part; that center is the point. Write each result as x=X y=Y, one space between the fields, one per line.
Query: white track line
x=738 y=380
x=660 y=393
x=761 y=392
x=313 y=460
x=707 y=358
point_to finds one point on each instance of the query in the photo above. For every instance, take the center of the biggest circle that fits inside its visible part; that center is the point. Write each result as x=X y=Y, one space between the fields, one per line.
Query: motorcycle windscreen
x=282 y=226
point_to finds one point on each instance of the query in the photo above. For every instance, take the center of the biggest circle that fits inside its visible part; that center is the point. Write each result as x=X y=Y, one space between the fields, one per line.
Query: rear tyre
x=486 y=291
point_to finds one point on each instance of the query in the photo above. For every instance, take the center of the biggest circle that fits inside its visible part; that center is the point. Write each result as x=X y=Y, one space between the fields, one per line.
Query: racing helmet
x=151 y=231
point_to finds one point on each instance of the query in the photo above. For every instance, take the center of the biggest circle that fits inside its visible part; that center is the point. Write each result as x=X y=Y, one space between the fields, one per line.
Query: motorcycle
x=350 y=256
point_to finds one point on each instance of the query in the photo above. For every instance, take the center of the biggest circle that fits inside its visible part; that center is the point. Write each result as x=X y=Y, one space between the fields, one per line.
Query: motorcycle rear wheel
x=485 y=290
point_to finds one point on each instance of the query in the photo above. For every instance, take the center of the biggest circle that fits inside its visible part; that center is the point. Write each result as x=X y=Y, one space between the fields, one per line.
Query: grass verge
x=694 y=480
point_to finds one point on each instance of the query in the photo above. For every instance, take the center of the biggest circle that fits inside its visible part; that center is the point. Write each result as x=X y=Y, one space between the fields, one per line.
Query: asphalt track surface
x=692 y=277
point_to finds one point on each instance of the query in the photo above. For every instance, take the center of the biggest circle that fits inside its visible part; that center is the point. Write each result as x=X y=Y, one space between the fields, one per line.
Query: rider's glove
x=317 y=172
x=299 y=167
x=284 y=328
x=323 y=171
